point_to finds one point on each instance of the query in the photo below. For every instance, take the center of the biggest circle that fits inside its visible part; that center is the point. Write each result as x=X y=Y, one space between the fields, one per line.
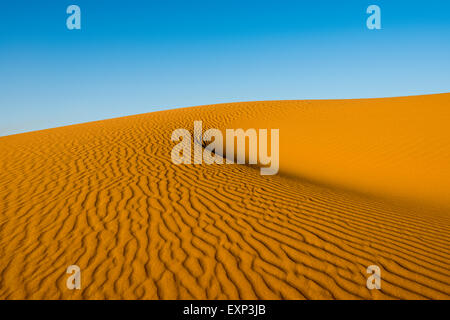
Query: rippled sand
x=361 y=182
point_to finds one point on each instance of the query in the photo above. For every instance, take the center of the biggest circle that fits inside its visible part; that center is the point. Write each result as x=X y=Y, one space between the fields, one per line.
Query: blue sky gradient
x=133 y=57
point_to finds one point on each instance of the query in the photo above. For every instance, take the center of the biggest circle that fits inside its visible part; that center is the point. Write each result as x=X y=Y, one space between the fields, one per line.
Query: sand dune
x=361 y=182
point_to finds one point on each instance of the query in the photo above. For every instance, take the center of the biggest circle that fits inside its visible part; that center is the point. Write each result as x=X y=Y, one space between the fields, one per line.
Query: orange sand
x=361 y=182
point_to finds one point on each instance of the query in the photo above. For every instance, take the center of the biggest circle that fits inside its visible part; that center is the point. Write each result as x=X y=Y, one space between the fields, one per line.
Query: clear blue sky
x=133 y=57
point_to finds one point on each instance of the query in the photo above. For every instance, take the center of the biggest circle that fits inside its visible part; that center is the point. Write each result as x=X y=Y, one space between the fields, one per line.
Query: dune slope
x=362 y=182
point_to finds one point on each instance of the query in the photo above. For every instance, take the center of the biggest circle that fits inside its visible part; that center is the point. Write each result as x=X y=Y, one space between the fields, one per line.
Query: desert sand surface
x=361 y=182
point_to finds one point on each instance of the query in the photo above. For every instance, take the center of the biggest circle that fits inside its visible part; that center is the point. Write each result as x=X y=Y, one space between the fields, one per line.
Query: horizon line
x=223 y=103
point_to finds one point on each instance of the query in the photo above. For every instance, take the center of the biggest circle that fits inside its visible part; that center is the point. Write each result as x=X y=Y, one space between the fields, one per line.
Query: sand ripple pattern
x=106 y=196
